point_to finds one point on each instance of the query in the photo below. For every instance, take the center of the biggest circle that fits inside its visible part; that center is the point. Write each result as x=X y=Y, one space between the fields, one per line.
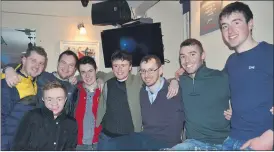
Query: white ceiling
x=132 y=4
x=75 y=7
x=139 y=7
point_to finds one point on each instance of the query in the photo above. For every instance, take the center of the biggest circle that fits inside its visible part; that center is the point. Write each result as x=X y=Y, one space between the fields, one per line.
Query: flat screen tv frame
x=139 y=40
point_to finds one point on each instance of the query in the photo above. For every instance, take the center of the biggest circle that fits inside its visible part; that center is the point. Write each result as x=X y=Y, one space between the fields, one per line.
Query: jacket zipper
x=193 y=83
x=57 y=135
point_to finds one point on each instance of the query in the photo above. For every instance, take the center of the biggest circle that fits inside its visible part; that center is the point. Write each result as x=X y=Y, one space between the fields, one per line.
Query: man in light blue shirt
x=152 y=96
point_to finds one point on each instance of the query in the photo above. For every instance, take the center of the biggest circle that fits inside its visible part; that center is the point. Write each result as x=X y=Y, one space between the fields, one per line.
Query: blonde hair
x=52 y=85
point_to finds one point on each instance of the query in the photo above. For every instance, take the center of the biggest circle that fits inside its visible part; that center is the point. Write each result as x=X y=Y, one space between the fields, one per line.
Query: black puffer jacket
x=39 y=130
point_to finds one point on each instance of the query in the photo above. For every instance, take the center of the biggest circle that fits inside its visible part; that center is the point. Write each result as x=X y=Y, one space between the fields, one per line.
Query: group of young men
x=54 y=111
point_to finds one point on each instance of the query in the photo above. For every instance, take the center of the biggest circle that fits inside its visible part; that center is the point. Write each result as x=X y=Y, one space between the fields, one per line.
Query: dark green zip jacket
x=205 y=98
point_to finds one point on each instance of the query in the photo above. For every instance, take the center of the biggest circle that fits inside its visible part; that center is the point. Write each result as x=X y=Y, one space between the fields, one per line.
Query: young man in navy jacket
x=12 y=109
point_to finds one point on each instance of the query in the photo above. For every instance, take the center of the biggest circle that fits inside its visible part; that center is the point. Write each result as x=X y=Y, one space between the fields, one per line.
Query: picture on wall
x=82 y=49
x=209 y=16
x=14 y=43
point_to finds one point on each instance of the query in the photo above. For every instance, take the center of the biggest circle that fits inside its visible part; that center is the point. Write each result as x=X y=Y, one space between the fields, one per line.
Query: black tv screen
x=139 y=40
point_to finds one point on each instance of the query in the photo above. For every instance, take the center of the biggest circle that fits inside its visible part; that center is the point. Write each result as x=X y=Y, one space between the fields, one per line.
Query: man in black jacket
x=49 y=127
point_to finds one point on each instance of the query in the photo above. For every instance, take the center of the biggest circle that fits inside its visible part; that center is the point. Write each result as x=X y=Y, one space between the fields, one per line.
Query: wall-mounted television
x=139 y=40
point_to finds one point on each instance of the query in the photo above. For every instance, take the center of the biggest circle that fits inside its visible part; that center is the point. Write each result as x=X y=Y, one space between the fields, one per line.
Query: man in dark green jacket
x=206 y=95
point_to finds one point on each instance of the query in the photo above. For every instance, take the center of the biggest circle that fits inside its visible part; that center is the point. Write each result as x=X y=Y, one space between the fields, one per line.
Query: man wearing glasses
x=162 y=118
x=119 y=109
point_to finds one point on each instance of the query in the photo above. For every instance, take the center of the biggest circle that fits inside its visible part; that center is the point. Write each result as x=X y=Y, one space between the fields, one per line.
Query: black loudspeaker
x=110 y=12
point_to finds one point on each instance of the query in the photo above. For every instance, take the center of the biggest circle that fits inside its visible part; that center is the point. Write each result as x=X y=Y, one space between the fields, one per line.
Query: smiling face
x=235 y=31
x=66 y=66
x=34 y=64
x=55 y=100
x=121 y=69
x=88 y=73
x=150 y=72
x=191 y=58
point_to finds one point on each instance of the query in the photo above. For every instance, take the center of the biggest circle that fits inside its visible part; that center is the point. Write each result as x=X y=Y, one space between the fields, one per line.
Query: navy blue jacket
x=12 y=109
x=13 y=119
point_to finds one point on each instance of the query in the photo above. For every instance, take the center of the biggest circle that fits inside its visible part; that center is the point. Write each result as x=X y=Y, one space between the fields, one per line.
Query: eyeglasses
x=149 y=71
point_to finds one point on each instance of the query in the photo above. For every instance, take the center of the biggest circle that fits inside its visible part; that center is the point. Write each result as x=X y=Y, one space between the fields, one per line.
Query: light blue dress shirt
x=152 y=96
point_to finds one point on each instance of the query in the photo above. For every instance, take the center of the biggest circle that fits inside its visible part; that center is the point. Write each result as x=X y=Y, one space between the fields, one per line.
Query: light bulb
x=83 y=31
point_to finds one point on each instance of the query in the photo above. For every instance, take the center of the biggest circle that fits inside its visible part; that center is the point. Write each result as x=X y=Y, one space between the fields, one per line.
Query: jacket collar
x=58 y=77
x=81 y=86
x=129 y=79
x=202 y=72
x=49 y=114
x=18 y=70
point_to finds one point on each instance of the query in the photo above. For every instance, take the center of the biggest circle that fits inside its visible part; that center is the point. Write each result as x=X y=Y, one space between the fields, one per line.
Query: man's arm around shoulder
x=101 y=106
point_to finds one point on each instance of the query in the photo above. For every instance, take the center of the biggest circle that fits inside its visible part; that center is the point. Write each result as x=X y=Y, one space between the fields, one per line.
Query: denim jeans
x=86 y=147
x=133 y=141
x=139 y=141
x=192 y=144
x=104 y=142
x=233 y=144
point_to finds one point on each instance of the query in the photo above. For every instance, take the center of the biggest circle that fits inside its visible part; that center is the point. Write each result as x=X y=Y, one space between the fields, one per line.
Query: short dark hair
x=191 y=42
x=52 y=85
x=38 y=49
x=86 y=60
x=69 y=52
x=150 y=57
x=238 y=7
x=121 y=55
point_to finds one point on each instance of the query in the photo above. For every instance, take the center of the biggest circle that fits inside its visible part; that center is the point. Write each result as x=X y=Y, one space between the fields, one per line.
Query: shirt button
x=54 y=143
x=56 y=123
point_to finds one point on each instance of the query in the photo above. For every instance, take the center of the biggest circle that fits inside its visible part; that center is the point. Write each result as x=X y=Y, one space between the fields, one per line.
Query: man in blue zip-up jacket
x=33 y=63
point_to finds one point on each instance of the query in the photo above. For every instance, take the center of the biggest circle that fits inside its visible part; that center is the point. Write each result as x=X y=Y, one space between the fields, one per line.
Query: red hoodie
x=80 y=113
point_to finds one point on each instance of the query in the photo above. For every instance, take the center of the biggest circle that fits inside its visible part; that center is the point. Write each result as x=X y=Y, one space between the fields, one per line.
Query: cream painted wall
x=216 y=51
x=58 y=21
x=169 y=13
x=54 y=21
